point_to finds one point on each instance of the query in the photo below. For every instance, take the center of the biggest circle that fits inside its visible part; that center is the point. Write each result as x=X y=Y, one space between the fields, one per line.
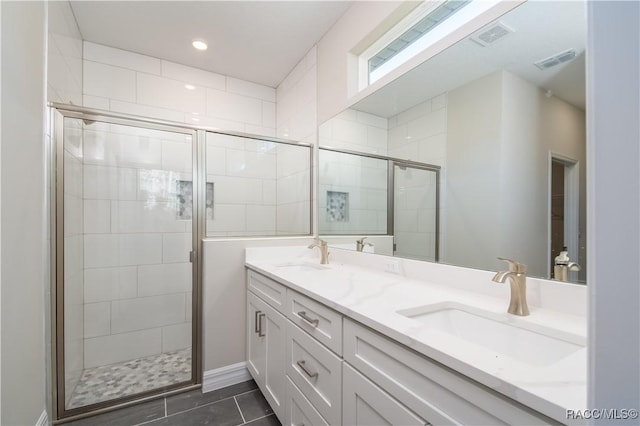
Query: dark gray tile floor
x=240 y=404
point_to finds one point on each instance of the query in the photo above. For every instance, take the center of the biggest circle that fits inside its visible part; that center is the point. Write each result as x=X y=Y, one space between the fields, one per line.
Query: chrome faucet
x=518 y=280
x=360 y=244
x=324 y=250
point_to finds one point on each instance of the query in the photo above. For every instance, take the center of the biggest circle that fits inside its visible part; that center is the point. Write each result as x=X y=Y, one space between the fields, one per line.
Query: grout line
x=238 y=405
x=246 y=392
x=203 y=405
x=260 y=418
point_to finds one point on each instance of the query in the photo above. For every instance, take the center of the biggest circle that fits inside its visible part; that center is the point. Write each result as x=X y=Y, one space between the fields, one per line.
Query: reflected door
x=415 y=212
x=125 y=209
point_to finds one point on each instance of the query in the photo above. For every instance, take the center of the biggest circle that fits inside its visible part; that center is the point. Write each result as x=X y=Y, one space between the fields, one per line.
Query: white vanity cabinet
x=266 y=340
x=316 y=366
x=432 y=391
x=365 y=404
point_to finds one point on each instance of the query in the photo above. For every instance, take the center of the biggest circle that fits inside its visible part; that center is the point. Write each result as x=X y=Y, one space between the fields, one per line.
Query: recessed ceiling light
x=189 y=87
x=199 y=44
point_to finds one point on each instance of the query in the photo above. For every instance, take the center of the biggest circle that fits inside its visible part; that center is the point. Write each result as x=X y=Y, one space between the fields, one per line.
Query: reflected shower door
x=415 y=212
x=125 y=205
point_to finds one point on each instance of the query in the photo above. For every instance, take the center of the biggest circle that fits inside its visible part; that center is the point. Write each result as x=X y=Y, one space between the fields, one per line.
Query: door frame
x=571 y=205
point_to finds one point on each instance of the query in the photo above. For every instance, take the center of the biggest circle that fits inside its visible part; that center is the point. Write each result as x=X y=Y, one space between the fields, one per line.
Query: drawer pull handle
x=260 y=332
x=307 y=318
x=307 y=372
x=256 y=328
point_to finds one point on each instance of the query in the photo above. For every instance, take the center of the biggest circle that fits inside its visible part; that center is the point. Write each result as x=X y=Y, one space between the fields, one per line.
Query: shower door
x=415 y=213
x=126 y=257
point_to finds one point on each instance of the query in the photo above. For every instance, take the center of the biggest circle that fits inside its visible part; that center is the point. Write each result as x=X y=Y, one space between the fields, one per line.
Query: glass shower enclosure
x=127 y=285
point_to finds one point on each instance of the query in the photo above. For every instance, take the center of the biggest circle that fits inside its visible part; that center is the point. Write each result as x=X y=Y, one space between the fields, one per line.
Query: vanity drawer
x=316 y=319
x=366 y=404
x=275 y=294
x=299 y=410
x=431 y=390
x=316 y=371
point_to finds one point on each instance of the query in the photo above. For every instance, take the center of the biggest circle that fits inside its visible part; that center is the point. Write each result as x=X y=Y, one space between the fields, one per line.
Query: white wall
x=355 y=131
x=23 y=205
x=64 y=55
x=122 y=81
x=360 y=25
x=613 y=105
x=501 y=131
x=474 y=116
x=225 y=295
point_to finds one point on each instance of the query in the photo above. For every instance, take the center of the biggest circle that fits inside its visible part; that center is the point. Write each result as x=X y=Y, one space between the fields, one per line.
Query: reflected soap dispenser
x=563 y=265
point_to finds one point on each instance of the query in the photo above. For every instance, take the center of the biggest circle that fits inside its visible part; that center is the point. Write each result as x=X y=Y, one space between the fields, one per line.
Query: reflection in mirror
x=505 y=122
x=394 y=201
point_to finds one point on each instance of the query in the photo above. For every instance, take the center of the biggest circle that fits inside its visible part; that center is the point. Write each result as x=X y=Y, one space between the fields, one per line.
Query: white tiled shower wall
x=363 y=179
x=122 y=81
x=255 y=193
x=419 y=134
x=137 y=276
x=255 y=182
x=297 y=101
x=296 y=119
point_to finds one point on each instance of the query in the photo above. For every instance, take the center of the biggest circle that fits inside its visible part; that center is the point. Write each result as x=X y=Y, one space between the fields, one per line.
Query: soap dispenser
x=563 y=265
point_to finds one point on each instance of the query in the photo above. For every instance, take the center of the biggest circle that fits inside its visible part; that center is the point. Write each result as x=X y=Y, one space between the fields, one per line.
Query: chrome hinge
x=192 y=256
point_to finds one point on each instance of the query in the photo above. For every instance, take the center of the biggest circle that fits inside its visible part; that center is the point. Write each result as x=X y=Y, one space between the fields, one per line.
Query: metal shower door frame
x=58 y=114
x=391 y=201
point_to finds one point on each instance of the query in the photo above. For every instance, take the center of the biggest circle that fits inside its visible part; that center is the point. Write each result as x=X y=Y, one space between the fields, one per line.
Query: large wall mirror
x=477 y=153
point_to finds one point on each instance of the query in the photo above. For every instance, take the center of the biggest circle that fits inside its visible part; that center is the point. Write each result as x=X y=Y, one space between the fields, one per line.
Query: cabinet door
x=256 y=341
x=364 y=403
x=298 y=409
x=274 y=327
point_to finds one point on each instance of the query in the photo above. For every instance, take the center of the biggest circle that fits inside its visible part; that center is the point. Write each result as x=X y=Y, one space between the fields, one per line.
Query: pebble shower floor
x=127 y=378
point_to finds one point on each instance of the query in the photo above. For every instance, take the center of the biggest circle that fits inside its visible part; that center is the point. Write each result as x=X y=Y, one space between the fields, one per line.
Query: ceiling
x=541 y=29
x=258 y=41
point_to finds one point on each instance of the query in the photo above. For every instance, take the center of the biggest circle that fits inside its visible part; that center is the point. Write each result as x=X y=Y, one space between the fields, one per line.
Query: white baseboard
x=43 y=420
x=225 y=376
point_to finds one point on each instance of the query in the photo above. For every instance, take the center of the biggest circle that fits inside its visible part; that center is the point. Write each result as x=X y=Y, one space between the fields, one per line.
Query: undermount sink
x=301 y=266
x=510 y=337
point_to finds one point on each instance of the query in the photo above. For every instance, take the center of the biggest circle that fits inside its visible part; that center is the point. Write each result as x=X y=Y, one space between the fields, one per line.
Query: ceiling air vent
x=558 y=59
x=491 y=34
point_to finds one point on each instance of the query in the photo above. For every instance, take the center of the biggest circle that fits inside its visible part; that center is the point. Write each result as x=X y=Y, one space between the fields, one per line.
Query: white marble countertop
x=373 y=297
